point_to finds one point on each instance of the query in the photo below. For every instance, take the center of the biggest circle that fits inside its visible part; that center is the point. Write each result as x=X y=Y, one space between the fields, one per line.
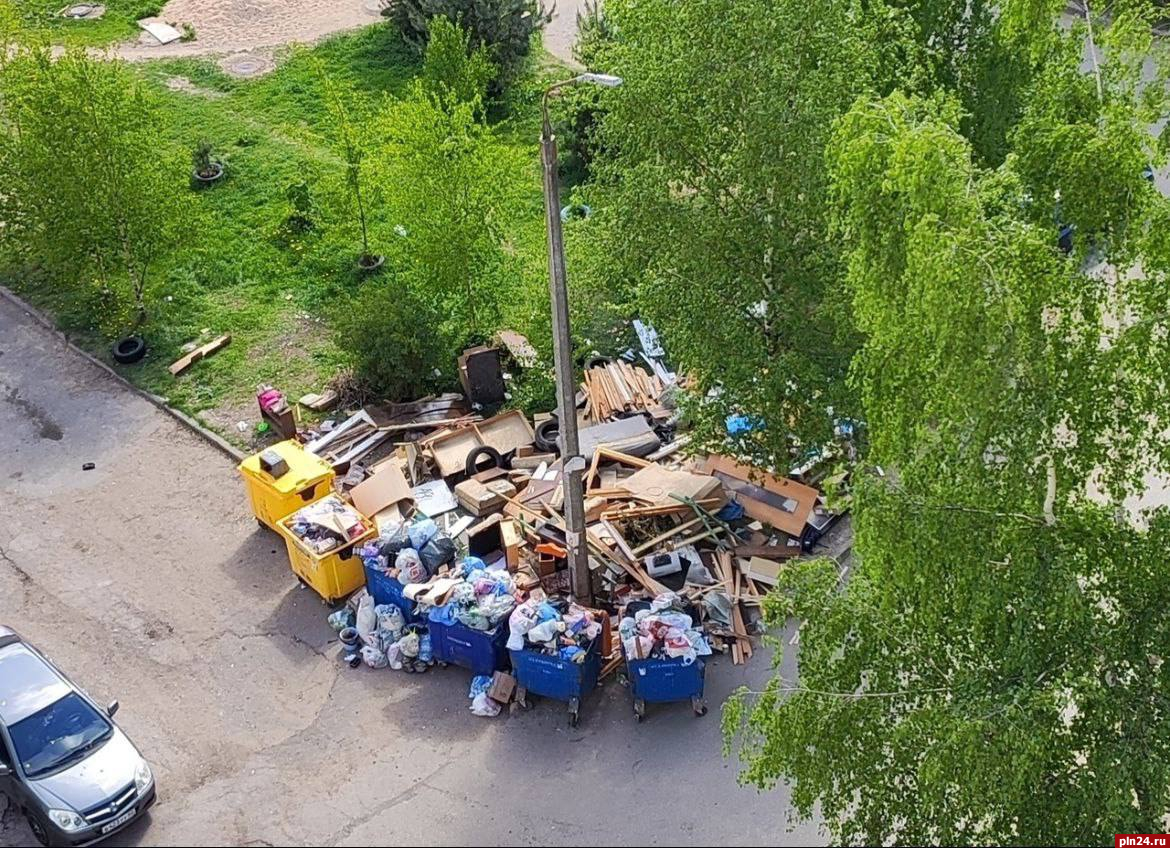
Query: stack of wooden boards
x=618 y=387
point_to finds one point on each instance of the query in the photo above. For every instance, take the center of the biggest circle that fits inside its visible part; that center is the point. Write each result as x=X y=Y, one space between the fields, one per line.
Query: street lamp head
x=606 y=80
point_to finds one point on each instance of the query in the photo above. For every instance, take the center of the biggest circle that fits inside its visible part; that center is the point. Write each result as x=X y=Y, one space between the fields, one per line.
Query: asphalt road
x=146 y=580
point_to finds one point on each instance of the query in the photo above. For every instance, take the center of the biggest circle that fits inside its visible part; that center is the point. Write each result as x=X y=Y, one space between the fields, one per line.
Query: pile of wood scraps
x=355 y=437
x=619 y=387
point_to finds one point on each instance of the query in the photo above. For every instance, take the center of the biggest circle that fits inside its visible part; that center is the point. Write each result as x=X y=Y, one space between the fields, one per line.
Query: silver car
x=63 y=762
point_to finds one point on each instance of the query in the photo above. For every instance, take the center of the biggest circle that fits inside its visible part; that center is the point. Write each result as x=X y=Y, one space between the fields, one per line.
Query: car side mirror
x=5 y=771
x=112 y=708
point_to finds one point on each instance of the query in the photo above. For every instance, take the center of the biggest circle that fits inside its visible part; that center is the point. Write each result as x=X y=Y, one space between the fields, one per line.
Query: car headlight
x=67 y=820
x=142 y=777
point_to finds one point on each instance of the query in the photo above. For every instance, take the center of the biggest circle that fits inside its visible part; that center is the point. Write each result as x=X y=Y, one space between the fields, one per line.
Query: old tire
x=472 y=465
x=597 y=362
x=547 y=433
x=128 y=350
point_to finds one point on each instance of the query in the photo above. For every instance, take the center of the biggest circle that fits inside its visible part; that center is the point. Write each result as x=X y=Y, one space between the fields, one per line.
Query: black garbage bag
x=439 y=551
x=389 y=547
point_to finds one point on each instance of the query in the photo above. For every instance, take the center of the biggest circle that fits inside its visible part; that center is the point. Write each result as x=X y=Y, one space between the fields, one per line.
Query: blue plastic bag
x=422 y=532
x=479 y=685
x=471 y=563
x=443 y=615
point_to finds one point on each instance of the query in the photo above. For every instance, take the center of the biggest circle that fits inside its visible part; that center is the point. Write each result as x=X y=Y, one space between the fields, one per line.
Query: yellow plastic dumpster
x=333 y=575
x=308 y=478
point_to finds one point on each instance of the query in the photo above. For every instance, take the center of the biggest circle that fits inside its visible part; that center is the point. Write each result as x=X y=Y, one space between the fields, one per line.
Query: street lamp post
x=572 y=462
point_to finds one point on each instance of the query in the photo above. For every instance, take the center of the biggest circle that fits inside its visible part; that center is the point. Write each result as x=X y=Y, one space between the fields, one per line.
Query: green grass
x=118 y=23
x=234 y=274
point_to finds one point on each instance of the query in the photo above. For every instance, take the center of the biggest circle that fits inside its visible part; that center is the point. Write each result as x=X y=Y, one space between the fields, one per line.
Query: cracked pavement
x=147 y=580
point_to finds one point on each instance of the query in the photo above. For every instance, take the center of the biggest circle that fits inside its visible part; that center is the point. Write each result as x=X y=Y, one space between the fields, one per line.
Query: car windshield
x=63 y=732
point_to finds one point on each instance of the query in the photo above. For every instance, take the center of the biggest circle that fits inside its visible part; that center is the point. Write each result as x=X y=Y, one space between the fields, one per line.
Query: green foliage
x=93 y=196
x=578 y=110
x=390 y=330
x=712 y=200
x=349 y=125
x=453 y=70
x=448 y=185
x=270 y=264
x=201 y=158
x=119 y=22
x=504 y=27
x=992 y=672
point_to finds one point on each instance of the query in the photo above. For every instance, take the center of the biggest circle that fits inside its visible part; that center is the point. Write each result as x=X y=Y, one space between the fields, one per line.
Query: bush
x=580 y=109
x=504 y=27
x=396 y=340
x=453 y=70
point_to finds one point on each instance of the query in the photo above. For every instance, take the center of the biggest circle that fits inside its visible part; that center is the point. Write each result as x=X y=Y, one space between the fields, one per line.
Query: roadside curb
x=183 y=418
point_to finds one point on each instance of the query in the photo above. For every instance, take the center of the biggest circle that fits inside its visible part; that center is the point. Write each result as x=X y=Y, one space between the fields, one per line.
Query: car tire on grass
x=128 y=350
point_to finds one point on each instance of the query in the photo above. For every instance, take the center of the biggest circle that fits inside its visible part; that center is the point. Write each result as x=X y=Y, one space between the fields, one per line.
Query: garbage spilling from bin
x=327 y=524
x=441 y=521
x=663 y=630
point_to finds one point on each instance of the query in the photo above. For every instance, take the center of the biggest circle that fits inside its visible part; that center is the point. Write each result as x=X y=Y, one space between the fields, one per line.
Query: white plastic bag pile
x=662 y=631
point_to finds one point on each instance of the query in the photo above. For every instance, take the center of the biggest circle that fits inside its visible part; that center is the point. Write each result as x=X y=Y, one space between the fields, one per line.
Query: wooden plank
x=184 y=362
x=623 y=458
x=668 y=449
x=662 y=537
x=656 y=509
x=621 y=542
x=726 y=566
x=775 y=552
x=764 y=570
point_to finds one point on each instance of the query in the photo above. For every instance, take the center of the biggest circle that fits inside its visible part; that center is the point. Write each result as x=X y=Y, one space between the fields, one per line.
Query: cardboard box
x=503 y=687
x=481 y=498
x=387 y=487
x=763 y=570
x=493 y=537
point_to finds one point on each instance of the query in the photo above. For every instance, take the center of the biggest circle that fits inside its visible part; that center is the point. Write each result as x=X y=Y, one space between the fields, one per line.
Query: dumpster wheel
x=639 y=709
x=698 y=706
x=574 y=711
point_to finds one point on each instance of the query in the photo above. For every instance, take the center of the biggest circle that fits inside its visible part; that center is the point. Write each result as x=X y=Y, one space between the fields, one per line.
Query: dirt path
x=233 y=26
x=230 y=26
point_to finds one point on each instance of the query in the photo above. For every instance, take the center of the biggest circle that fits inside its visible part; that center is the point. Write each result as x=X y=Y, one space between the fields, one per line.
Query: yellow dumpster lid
x=304 y=468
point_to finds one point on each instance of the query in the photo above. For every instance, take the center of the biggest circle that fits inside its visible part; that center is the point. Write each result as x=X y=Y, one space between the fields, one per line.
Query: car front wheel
x=38 y=829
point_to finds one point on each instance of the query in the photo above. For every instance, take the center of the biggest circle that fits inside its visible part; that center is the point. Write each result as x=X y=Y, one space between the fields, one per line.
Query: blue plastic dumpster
x=387 y=590
x=552 y=677
x=666 y=680
x=481 y=651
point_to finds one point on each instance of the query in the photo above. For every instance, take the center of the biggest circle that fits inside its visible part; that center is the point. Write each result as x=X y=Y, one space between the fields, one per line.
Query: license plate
x=119 y=821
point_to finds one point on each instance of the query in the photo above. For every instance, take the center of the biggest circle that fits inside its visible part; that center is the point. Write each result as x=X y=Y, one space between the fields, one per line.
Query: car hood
x=105 y=772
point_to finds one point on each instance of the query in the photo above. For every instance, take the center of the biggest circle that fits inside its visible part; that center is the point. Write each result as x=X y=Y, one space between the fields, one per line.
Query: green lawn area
x=235 y=273
x=118 y=23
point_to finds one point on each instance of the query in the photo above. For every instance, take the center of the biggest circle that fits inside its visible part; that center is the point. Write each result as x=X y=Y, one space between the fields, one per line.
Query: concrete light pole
x=572 y=462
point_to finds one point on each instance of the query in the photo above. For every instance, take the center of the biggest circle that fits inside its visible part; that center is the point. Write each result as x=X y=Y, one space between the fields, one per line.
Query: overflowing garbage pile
x=662 y=629
x=379 y=636
x=480 y=600
x=553 y=626
x=467 y=510
x=326 y=525
x=410 y=552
